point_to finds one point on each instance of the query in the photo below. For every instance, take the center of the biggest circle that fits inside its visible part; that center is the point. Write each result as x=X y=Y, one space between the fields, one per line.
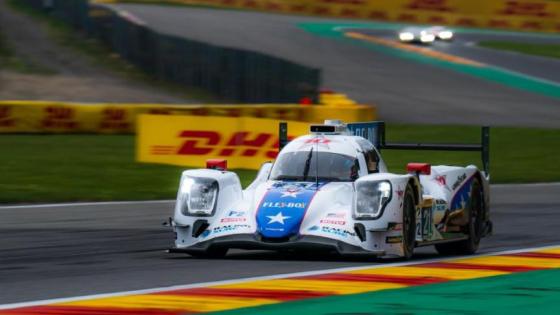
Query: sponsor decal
x=430 y=5
x=333 y=222
x=319 y=141
x=332 y=230
x=234 y=216
x=290 y=186
x=339 y=215
x=60 y=117
x=393 y=239
x=400 y=193
x=225 y=228
x=440 y=205
x=6 y=120
x=526 y=8
x=114 y=118
x=427 y=226
x=459 y=180
x=243 y=143
x=281 y=204
x=231 y=220
x=441 y=180
x=283 y=207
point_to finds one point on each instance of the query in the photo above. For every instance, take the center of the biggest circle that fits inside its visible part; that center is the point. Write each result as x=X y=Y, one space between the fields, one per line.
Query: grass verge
x=52 y=168
x=101 y=55
x=544 y=50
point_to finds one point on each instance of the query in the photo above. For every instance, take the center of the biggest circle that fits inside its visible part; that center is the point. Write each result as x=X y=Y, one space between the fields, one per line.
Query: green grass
x=50 y=168
x=41 y=168
x=101 y=55
x=545 y=50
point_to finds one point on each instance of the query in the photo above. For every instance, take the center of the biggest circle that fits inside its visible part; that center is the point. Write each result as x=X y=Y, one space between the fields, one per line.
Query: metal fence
x=232 y=74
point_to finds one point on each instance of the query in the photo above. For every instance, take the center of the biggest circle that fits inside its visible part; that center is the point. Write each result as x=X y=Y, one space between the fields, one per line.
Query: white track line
x=79 y=204
x=553 y=184
x=271 y=277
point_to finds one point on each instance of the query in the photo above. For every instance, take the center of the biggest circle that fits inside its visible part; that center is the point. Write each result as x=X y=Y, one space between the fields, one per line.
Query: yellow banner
x=60 y=117
x=532 y=15
x=191 y=140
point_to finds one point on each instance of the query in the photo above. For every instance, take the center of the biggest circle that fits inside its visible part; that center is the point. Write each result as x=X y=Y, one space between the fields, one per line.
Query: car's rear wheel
x=409 y=223
x=473 y=229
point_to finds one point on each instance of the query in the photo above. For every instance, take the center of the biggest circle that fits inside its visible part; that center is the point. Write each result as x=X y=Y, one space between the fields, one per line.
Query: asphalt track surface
x=70 y=250
x=465 y=46
x=404 y=90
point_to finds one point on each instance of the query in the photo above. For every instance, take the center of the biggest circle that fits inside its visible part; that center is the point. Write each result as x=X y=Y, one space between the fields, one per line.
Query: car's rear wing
x=483 y=147
x=374 y=131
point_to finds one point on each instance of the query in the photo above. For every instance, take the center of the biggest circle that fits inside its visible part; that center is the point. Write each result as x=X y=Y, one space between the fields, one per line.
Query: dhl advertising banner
x=55 y=117
x=191 y=140
x=537 y=15
x=58 y=117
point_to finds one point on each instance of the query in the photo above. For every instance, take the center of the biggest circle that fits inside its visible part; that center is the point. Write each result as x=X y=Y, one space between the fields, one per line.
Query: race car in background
x=425 y=35
x=441 y=33
x=331 y=191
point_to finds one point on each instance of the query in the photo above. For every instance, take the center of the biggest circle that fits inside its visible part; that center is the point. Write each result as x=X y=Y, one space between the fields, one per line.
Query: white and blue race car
x=331 y=191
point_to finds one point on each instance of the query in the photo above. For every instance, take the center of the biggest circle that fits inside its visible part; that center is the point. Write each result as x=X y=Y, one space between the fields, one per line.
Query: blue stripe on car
x=283 y=208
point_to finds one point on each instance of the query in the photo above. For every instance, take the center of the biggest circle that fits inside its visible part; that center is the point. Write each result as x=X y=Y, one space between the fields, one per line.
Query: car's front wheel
x=409 y=223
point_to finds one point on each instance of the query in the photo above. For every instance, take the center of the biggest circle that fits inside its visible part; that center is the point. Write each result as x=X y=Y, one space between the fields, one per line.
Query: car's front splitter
x=254 y=242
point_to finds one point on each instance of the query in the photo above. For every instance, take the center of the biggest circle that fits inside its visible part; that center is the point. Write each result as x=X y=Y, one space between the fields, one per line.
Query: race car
x=331 y=191
x=441 y=33
x=425 y=35
x=418 y=35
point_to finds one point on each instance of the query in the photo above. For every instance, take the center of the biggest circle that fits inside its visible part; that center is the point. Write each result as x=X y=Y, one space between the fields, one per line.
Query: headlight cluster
x=426 y=37
x=198 y=196
x=445 y=35
x=372 y=198
x=406 y=36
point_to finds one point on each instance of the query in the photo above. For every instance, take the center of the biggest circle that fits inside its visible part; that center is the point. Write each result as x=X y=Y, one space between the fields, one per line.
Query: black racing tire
x=473 y=229
x=409 y=223
x=219 y=252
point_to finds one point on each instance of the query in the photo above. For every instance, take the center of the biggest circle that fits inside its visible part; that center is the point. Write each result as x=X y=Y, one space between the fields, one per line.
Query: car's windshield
x=301 y=166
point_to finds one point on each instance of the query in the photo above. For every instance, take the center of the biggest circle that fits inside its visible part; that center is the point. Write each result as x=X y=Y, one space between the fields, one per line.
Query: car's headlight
x=198 y=196
x=406 y=36
x=372 y=198
x=445 y=35
x=426 y=37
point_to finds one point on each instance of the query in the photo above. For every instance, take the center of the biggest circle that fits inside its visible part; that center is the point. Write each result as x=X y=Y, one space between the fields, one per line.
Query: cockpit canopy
x=311 y=165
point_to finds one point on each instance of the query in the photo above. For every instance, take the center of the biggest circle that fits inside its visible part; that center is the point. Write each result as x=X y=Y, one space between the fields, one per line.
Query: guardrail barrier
x=232 y=74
